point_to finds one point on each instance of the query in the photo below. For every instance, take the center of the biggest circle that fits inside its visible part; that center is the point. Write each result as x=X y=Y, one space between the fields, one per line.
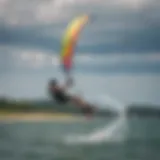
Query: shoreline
x=10 y=117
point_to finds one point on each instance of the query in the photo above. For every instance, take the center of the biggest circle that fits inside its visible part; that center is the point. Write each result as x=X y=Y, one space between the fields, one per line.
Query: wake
x=114 y=132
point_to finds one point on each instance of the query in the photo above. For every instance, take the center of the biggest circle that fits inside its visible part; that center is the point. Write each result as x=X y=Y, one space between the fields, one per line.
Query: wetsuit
x=60 y=96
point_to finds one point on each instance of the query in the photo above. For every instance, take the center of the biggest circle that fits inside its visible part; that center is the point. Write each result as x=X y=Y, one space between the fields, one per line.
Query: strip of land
x=10 y=117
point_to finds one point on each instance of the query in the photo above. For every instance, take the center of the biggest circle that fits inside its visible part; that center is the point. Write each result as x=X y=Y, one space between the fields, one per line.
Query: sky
x=117 y=55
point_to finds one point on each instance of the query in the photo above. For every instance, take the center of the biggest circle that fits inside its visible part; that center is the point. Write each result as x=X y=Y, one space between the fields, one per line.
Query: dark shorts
x=87 y=110
x=63 y=99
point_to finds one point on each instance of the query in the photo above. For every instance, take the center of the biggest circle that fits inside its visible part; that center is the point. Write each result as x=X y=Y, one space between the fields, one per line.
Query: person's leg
x=86 y=108
x=78 y=101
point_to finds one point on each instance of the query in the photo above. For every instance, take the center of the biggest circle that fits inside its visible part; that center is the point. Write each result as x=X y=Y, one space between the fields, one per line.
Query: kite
x=69 y=42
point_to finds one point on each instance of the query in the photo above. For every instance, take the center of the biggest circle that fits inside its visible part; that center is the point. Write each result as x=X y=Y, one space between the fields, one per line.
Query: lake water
x=45 y=140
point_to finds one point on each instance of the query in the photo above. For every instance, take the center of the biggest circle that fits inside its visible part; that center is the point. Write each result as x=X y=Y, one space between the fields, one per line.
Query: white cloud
x=116 y=58
x=24 y=12
x=90 y=59
x=52 y=10
x=107 y=16
x=31 y=58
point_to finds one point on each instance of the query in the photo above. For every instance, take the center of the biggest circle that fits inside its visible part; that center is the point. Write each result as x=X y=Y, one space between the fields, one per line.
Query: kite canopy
x=69 y=41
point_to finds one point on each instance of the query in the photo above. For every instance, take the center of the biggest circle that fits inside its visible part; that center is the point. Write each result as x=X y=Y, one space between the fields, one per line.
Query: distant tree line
x=49 y=106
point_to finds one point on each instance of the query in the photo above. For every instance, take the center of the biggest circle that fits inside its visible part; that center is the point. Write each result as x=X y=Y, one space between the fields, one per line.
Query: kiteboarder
x=58 y=92
x=60 y=95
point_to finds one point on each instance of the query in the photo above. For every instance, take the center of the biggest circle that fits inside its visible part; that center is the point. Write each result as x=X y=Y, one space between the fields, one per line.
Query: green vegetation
x=51 y=107
x=28 y=106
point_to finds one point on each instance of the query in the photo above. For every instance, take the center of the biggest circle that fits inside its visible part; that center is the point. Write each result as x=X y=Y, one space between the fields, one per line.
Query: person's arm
x=68 y=84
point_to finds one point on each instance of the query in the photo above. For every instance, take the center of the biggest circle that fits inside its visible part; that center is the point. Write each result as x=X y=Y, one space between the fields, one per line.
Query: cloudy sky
x=117 y=55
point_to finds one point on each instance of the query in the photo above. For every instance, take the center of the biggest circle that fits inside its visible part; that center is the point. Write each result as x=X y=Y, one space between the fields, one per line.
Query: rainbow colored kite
x=69 y=41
